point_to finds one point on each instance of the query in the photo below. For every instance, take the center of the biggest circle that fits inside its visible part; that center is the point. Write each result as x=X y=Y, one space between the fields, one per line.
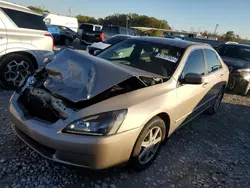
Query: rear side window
x=123 y=31
x=194 y=64
x=112 y=29
x=212 y=61
x=26 y=20
x=131 y=32
x=53 y=29
x=221 y=50
x=98 y=28
x=86 y=27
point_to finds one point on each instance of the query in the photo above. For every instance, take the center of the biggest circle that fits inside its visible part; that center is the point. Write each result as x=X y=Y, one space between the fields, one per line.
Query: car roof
x=122 y=35
x=168 y=41
x=90 y=24
x=17 y=7
x=237 y=45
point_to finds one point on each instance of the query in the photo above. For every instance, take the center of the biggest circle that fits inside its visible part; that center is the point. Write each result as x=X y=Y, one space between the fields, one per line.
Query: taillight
x=102 y=36
x=53 y=42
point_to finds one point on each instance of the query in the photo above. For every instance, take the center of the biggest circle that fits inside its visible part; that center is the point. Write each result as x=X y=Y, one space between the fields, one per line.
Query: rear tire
x=15 y=69
x=216 y=103
x=148 y=144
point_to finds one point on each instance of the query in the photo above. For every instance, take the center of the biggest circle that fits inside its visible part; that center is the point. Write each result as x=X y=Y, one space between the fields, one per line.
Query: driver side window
x=194 y=64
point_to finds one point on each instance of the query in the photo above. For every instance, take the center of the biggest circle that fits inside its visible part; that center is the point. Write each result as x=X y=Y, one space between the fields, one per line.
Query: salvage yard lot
x=211 y=151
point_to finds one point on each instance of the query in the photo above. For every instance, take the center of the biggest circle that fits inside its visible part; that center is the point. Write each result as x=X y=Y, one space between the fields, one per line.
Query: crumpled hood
x=236 y=63
x=78 y=76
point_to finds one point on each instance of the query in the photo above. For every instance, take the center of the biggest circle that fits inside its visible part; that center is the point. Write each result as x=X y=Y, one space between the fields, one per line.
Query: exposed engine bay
x=56 y=91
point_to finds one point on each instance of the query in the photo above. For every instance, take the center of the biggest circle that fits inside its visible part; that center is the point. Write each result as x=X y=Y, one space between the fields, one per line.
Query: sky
x=200 y=15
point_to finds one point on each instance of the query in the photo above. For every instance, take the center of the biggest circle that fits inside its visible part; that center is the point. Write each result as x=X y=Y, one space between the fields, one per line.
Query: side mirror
x=96 y=52
x=193 y=78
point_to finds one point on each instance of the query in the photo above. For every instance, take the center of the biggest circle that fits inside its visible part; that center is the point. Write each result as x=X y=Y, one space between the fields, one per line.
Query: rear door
x=215 y=73
x=192 y=98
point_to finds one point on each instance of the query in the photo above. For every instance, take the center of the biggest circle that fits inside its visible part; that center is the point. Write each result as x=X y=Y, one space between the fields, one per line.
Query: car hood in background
x=99 y=45
x=78 y=76
x=236 y=63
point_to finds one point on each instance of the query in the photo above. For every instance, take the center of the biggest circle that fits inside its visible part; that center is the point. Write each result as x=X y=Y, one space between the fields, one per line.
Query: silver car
x=119 y=107
x=24 y=44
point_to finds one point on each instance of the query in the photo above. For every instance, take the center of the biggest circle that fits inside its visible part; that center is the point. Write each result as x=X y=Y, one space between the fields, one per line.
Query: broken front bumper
x=96 y=152
x=239 y=81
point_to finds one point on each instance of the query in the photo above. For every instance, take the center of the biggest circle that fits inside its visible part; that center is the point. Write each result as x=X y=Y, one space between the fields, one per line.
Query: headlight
x=101 y=124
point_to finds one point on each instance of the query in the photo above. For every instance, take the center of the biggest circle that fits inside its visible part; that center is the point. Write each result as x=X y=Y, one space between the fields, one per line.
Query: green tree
x=38 y=9
x=230 y=36
x=156 y=33
x=135 y=20
x=86 y=19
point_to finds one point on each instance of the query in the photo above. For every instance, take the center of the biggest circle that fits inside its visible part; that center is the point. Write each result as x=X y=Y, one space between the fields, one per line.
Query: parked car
x=25 y=43
x=90 y=33
x=62 y=35
x=99 y=46
x=237 y=58
x=79 y=109
x=55 y=19
x=67 y=30
x=111 y=30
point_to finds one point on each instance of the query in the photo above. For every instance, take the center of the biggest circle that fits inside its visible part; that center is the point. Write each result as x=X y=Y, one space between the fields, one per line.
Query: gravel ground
x=212 y=151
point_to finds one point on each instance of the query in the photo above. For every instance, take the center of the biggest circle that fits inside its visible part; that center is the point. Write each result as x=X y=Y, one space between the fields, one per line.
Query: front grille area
x=44 y=150
x=35 y=109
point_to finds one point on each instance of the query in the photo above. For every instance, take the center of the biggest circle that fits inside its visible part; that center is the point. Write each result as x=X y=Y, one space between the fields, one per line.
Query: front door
x=192 y=98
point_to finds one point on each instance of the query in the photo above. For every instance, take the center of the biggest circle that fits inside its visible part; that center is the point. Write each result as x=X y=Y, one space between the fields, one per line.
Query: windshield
x=236 y=52
x=151 y=57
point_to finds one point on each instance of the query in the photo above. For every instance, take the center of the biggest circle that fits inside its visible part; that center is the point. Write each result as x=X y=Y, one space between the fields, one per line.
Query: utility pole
x=69 y=11
x=127 y=24
x=216 y=28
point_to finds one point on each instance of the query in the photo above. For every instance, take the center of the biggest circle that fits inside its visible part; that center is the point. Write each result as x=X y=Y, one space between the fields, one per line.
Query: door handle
x=205 y=85
x=221 y=75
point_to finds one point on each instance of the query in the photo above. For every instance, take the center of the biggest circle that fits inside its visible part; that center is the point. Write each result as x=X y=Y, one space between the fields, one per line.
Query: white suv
x=24 y=44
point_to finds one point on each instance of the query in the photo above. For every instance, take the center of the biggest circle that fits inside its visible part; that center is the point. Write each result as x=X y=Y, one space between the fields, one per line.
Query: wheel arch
x=25 y=53
x=166 y=118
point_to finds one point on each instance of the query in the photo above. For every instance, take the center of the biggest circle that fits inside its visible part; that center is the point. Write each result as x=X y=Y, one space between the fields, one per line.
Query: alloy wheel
x=17 y=72
x=150 y=145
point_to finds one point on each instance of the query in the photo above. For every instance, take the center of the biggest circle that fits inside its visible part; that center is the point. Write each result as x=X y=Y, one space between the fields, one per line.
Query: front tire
x=15 y=69
x=148 y=144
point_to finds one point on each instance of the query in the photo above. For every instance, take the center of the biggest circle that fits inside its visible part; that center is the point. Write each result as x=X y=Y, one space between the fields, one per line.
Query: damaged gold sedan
x=118 y=107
